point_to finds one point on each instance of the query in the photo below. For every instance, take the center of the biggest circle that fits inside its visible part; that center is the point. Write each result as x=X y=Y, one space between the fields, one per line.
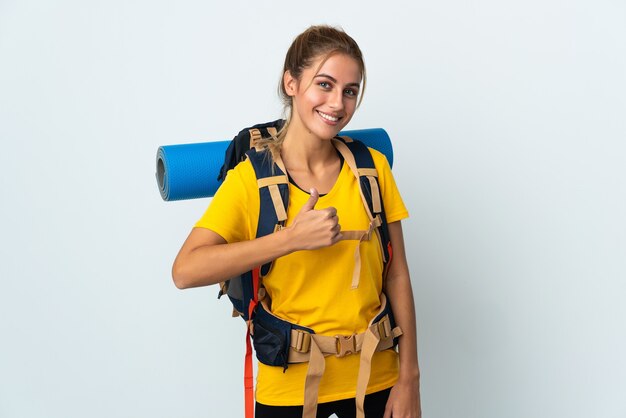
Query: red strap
x=248 y=374
x=255 y=292
x=248 y=378
x=390 y=256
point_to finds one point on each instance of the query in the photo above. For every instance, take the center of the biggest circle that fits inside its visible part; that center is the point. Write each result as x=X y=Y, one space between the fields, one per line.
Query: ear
x=290 y=83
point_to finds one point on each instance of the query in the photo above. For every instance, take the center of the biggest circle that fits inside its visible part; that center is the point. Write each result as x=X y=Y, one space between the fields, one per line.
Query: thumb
x=310 y=204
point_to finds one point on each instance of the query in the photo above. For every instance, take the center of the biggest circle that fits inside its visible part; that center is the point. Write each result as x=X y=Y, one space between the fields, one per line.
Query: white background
x=508 y=125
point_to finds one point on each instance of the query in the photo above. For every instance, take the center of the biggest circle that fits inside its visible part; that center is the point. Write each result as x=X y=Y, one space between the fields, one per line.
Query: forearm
x=400 y=293
x=216 y=262
x=206 y=258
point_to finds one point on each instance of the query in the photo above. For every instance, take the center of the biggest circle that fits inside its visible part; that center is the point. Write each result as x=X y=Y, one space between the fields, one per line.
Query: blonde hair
x=317 y=41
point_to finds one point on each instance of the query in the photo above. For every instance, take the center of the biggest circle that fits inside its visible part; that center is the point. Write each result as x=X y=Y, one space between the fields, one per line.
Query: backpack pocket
x=272 y=338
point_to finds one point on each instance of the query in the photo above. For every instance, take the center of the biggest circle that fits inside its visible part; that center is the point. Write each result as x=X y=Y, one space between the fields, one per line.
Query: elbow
x=181 y=285
x=180 y=276
x=185 y=276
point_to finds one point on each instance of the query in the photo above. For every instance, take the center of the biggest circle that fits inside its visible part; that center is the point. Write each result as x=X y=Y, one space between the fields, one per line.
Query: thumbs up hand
x=310 y=204
x=313 y=228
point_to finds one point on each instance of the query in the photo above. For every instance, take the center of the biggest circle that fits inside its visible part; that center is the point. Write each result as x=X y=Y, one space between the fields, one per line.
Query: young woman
x=310 y=281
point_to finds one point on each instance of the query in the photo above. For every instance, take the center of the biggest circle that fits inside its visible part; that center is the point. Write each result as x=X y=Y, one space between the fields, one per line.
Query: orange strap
x=390 y=251
x=248 y=378
x=255 y=291
x=248 y=373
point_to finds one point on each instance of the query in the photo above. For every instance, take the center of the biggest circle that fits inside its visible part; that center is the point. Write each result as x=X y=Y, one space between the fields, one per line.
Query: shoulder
x=230 y=209
x=242 y=172
x=240 y=181
x=380 y=162
x=377 y=155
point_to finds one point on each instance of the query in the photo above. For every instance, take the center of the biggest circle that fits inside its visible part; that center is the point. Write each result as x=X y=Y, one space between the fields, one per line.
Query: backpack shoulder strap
x=359 y=159
x=273 y=193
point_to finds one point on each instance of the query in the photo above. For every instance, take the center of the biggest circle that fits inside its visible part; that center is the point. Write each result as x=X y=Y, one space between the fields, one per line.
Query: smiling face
x=325 y=98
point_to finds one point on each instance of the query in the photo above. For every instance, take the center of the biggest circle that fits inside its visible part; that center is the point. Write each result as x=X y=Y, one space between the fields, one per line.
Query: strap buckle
x=345 y=345
x=384 y=328
x=303 y=342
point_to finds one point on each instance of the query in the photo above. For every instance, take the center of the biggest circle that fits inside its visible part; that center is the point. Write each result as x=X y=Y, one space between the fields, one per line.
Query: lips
x=330 y=118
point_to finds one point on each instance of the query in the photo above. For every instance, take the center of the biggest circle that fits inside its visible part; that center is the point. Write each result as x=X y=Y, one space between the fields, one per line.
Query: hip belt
x=278 y=342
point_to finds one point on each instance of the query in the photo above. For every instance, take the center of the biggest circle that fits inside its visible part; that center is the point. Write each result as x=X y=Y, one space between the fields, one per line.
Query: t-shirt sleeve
x=227 y=214
x=394 y=205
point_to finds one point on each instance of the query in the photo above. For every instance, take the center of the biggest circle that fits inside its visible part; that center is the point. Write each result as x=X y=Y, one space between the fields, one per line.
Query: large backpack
x=278 y=342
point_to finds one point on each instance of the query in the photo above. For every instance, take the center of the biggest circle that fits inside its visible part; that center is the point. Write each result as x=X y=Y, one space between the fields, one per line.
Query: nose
x=335 y=100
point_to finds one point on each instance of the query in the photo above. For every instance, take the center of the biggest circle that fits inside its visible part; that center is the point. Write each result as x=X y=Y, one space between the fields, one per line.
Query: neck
x=304 y=150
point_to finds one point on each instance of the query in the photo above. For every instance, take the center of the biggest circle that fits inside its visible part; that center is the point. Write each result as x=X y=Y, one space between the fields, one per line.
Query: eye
x=350 y=92
x=324 y=84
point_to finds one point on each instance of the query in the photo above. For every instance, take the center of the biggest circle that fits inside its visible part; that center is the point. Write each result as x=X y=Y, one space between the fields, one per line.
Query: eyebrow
x=334 y=80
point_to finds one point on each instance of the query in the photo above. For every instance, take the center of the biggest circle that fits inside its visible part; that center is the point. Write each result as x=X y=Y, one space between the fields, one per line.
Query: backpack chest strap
x=360 y=236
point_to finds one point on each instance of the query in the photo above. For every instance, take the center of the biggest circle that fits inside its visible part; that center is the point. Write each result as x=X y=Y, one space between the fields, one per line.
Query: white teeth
x=328 y=117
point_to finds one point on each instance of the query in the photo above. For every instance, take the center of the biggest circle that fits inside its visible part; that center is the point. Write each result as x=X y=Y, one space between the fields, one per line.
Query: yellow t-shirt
x=313 y=288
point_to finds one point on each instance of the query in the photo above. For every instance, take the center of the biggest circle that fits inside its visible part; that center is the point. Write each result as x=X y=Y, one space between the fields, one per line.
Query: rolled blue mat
x=189 y=171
